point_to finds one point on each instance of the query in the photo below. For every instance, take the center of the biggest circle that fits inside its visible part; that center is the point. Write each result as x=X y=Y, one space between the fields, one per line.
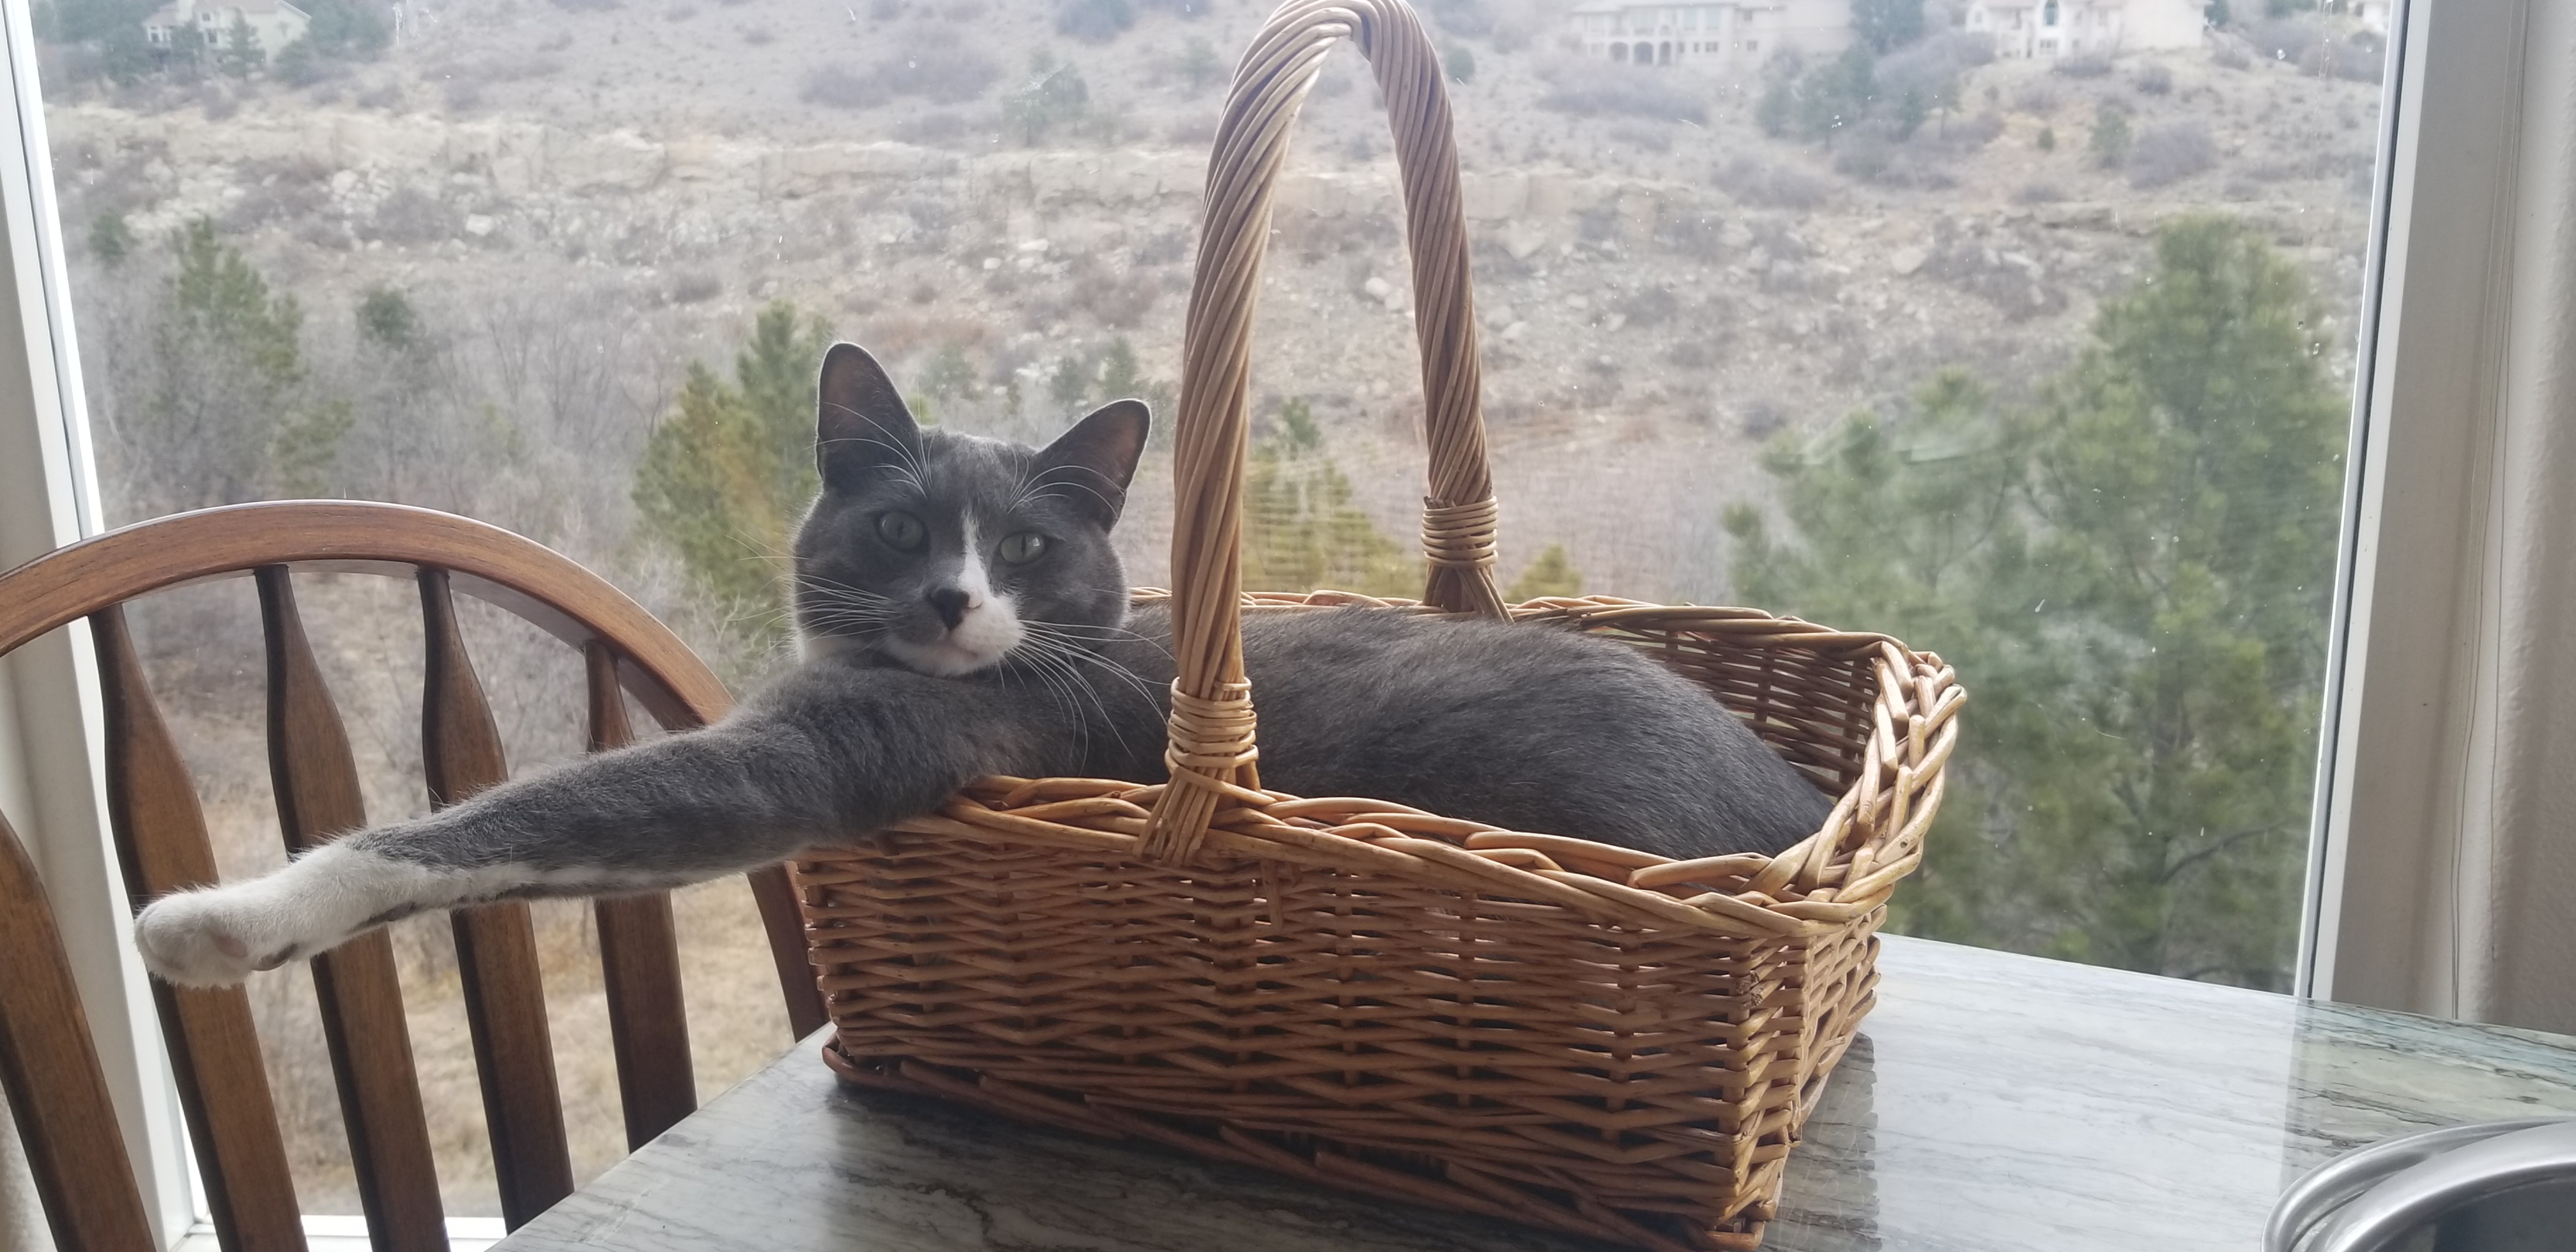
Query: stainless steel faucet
x=2489 y=1187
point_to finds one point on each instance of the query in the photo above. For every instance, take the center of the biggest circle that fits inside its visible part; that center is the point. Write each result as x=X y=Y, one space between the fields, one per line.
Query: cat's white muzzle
x=980 y=639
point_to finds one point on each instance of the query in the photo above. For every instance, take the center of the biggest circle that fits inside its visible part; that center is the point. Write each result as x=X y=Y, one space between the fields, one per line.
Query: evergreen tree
x=2132 y=578
x=1300 y=530
x=225 y=414
x=110 y=239
x=1055 y=96
x=1459 y=63
x=2111 y=137
x=353 y=30
x=1552 y=574
x=725 y=477
x=1829 y=98
x=240 y=53
x=1887 y=25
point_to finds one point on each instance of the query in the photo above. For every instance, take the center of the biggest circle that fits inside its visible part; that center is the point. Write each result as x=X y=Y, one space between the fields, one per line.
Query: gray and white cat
x=963 y=614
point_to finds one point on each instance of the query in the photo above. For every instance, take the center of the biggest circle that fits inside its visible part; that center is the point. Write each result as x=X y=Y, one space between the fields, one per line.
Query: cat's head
x=943 y=552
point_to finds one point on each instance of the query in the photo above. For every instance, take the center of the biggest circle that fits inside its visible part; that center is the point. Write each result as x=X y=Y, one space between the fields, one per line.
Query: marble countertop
x=1994 y=1103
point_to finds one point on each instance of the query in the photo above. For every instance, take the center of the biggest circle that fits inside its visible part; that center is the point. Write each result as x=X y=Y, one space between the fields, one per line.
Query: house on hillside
x=1641 y=32
x=1657 y=32
x=195 y=26
x=2061 y=28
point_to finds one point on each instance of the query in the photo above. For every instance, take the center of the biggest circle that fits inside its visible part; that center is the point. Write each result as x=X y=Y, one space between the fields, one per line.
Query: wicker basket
x=1549 y=1030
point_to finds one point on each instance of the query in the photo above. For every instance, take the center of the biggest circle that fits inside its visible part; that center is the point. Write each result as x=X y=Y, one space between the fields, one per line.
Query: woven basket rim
x=1826 y=880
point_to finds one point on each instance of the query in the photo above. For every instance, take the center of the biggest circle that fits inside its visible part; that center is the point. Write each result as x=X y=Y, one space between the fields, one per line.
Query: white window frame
x=2438 y=280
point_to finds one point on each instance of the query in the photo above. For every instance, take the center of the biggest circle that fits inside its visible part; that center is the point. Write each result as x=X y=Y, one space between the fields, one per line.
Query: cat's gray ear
x=860 y=422
x=1092 y=463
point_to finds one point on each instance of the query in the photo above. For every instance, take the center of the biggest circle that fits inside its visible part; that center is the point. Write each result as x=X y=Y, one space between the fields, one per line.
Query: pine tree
x=240 y=53
x=1552 y=574
x=725 y=477
x=227 y=412
x=2132 y=578
x=1300 y=530
x=1886 y=25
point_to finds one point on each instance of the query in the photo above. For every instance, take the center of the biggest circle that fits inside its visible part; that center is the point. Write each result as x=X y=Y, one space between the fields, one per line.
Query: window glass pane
x=2023 y=333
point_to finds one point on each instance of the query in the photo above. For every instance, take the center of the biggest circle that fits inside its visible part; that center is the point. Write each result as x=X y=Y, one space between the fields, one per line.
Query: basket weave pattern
x=1546 y=1029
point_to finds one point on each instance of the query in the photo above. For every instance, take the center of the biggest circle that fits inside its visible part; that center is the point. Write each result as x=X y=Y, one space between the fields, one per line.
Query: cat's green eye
x=903 y=530
x=1024 y=547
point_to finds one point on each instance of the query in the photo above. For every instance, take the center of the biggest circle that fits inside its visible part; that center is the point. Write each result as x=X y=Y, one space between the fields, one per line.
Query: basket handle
x=1211 y=751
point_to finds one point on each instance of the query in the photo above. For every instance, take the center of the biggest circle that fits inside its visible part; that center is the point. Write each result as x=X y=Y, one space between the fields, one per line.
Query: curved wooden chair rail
x=46 y=1056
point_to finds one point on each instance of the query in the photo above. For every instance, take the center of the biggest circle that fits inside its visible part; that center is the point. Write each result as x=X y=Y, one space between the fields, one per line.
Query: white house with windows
x=192 y=25
x=1647 y=32
x=1635 y=32
x=2060 y=28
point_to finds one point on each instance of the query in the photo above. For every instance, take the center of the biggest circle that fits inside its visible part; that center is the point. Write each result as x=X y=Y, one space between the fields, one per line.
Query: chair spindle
x=639 y=959
x=316 y=781
x=496 y=946
x=57 y=1092
x=214 y=1051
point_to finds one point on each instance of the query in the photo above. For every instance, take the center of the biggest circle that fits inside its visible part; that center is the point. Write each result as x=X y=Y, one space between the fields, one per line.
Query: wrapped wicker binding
x=1554 y=1031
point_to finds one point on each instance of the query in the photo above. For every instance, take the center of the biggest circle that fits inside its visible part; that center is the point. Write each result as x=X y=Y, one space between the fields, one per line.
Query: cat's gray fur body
x=1034 y=668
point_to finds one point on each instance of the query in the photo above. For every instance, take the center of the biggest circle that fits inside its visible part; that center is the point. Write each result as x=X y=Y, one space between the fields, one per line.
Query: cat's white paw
x=221 y=935
x=212 y=938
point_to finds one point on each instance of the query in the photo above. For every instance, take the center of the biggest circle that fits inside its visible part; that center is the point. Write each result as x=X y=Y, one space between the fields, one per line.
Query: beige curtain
x=2452 y=890
x=2514 y=957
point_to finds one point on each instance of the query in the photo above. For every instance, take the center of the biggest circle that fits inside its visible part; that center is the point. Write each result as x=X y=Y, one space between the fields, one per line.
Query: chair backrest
x=46 y=1057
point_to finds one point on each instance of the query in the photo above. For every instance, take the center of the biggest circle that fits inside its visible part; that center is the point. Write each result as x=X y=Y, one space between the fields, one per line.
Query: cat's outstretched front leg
x=852 y=753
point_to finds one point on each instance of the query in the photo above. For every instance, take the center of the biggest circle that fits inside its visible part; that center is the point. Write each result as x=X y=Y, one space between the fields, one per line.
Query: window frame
x=2404 y=766
x=2430 y=345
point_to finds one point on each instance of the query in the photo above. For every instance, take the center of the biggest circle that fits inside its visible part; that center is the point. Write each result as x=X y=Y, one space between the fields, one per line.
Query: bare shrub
x=589 y=6
x=1996 y=269
x=382 y=96
x=2228 y=56
x=1690 y=234
x=411 y=216
x=1600 y=90
x=938 y=70
x=2169 y=152
x=1873 y=156
x=931 y=128
x=2038 y=96
x=695 y=287
x=2154 y=80
x=1772 y=186
x=289 y=191
x=1652 y=306
x=2088 y=66
x=1963 y=134
x=1094 y=21
x=841 y=89
x=1642 y=137
x=1763 y=418
x=520 y=67
x=1466 y=19
x=758 y=36
x=2038 y=193
x=1118 y=300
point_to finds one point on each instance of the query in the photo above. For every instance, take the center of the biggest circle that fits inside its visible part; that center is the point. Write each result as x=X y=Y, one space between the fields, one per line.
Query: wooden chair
x=51 y=1072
